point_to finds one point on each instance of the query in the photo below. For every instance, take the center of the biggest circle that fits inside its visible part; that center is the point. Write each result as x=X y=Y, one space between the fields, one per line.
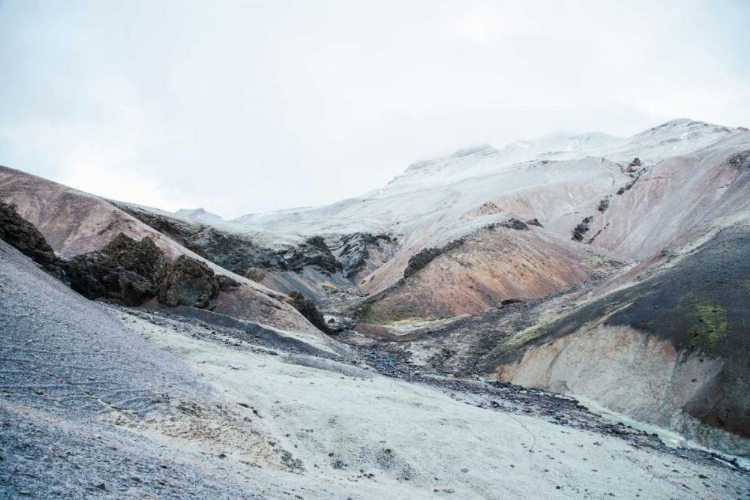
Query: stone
x=307 y=308
x=26 y=238
x=188 y=282
x=123 y=272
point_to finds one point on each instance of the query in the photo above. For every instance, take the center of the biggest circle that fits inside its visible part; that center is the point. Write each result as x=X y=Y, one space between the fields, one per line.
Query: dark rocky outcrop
x=426 y=255
x=131 y=272
x=629 y=185
x=355 y=249
x=232 y=251
x=582 y=228
x=534 y=222
x=626 y=187
x=24 y=236
x=123 y=272
x=189 y=282
x=740 y=160
x=307 y=308
x=313 y=252
x=237 y=252
x=420 y=259
x=603 y=205
x=516 y=224
x=513 y=223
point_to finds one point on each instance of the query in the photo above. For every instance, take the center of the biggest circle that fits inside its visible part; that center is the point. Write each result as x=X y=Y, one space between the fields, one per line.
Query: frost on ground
x=97 y=401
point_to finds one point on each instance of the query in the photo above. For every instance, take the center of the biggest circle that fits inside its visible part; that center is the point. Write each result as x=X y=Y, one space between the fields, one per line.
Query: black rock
x=741 y=160
x=420 y=260
x=582 y=229
x=307 y=308
x=189 y=282
x=516 y=224
x=534 y=222
x=122 y=272
x=426 y=255
x=24 y=236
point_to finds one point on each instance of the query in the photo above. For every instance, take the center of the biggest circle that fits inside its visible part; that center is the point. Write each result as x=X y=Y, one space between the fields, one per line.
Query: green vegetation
x=403 y=311
x=712 y=326
x=380 y=312
x=524 y=337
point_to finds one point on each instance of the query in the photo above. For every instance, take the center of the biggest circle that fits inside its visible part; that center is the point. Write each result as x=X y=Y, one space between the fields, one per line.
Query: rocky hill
x=595 y=215
x=306 y=350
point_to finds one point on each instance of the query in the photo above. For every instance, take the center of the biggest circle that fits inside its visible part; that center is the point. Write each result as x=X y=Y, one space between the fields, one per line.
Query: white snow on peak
x=198 y=214
x=524 y=176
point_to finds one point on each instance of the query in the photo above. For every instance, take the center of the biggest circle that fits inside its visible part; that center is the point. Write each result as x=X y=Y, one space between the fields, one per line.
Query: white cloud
x=252 y=106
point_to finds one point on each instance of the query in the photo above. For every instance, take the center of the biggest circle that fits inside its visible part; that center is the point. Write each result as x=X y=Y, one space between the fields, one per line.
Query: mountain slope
x=605 y=267
x=562 y=182
x=76 y=223
x=684 y=329
x=611 y=210
x=106 y=402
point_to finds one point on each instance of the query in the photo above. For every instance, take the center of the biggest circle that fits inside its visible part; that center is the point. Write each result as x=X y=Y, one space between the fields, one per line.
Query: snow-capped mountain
x=522 y=173
x=198 y=214
x=613 y=270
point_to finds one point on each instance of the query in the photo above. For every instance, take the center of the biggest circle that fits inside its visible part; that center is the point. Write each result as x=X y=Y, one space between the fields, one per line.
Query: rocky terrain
x=109 y=402
x=76 y=224
x=446 y=336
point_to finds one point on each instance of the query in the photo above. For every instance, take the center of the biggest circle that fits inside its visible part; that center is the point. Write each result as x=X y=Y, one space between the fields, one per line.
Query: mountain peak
x=200 y=214
x=478 y=151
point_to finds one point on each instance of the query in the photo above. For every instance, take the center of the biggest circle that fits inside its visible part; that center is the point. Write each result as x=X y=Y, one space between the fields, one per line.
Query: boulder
x=582 y=229
x=123 y=272
x=189 y=282
x=307 y=308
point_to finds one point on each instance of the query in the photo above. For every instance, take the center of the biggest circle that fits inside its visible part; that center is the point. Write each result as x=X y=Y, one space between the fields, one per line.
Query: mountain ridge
x=477 y=265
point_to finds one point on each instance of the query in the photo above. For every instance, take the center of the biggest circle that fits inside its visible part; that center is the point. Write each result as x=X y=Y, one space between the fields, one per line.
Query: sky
x=251 y=106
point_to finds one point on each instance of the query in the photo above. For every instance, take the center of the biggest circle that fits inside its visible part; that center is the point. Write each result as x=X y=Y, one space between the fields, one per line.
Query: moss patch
x=523 y=337
x=383 y=312
x=712 y=326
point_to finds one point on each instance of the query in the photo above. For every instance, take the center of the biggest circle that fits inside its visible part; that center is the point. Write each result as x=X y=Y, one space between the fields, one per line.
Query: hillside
x=437 y=337
x=127 y=403
x=76 y=224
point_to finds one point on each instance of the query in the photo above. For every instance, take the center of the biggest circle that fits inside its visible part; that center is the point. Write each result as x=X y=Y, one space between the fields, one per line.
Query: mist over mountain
x=486 y=321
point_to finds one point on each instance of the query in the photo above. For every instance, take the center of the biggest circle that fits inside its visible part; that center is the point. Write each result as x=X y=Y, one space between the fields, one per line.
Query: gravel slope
x=97 y=401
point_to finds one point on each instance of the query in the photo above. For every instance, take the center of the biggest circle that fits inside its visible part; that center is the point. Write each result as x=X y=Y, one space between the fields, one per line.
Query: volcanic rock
x=189 y=282
x=308 y=309
x=123 y=272
x=25 y=237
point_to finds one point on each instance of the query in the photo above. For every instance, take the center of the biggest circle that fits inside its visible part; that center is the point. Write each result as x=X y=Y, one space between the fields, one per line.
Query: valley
x=425 y=340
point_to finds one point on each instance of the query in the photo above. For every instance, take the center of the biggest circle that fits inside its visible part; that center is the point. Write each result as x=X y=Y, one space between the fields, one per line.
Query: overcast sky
x=249 y=106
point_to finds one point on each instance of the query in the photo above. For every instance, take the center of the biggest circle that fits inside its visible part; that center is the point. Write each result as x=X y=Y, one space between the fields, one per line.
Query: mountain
x=103 y=401
x=198 y=214
x=443 y=335
x=556 y=224
x=77 y=224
